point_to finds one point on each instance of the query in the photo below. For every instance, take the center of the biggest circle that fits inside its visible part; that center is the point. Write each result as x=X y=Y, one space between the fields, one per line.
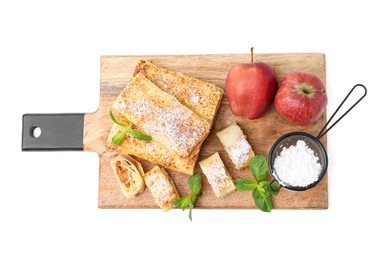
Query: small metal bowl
x=313 y=142
x=288 y=140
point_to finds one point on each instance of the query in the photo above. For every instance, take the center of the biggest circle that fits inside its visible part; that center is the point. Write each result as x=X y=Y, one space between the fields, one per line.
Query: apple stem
x=252 y=55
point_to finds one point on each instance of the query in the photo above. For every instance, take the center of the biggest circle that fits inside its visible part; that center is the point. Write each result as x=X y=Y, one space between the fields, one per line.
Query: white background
x=49 y=62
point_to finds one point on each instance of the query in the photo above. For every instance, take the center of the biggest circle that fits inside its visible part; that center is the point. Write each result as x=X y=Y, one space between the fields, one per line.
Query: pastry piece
x=201 y=97
x=128 y=172
x=161 y=116
x=162 y=187
x=217 y=175
x=152 y=150
x=235 y=143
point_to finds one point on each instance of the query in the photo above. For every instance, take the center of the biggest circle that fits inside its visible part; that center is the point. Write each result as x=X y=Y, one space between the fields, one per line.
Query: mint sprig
x=260 y=187
x=195 y=183
x=118 y=138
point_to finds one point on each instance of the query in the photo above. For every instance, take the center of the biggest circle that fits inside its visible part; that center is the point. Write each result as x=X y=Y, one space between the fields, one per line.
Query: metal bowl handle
x=270 y=185
x=324 y=130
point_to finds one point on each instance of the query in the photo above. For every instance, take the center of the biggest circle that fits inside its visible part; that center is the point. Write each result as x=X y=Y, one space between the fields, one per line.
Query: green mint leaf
x=140 y=136
x=118 y=138
x=178 y=202
x=275 y=188
x=133 y=132
x=263 y=186
x=245 y=184
x=195 y=183
x=262 y=200
x=258 y=167
x=193 y=199
x=191 y=207
x=115 y=121
x=182 y=202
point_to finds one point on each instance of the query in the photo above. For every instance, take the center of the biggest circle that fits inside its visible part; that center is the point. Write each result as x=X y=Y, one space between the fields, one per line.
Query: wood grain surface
x=261 y=133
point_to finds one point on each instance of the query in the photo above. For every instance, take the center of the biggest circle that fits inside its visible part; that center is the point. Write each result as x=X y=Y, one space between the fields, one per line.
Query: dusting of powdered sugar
x=151 y=147
x=165 y=190
x=195 y=99
x=240 y=152
x=176 y=124
x=121 y=106
x=217 y=177
x=297 y=165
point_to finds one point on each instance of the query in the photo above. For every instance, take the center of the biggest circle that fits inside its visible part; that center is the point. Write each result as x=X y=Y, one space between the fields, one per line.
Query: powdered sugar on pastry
x=217 y=175
x=235 y=143
x=162 y=116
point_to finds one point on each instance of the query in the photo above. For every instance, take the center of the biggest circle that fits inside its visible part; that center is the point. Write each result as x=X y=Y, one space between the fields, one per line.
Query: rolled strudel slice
x=128 y=172
x=217 y=175
x=162 y=187
x=235 y=143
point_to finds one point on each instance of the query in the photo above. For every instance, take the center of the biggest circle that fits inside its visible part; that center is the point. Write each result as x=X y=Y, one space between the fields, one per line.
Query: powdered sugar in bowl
x=297 y=161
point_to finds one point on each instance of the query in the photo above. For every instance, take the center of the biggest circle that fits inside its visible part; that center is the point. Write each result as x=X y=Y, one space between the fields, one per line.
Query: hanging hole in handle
x=271 y=188
x=35 y=131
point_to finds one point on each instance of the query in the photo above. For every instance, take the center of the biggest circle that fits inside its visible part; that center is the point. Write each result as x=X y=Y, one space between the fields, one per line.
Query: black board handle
x=57 y=132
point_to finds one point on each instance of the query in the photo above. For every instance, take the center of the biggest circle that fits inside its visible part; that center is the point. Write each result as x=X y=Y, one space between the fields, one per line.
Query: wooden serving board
x=261 y=133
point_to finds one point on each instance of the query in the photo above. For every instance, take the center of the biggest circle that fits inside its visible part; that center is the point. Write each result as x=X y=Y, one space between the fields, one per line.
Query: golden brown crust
x=161 y=116
x=128 y=172
x=201 y=97
x=162 y=187
x=153 y=151
x=236 y=145
x=217 y=175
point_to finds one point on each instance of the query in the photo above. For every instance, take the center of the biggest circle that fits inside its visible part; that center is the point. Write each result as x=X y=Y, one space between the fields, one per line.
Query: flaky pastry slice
x=152 y=150
x=162 y=187
x=128 y=172
x=217 y=175
x=235 y=143
x=161 y=116
x=201 y=97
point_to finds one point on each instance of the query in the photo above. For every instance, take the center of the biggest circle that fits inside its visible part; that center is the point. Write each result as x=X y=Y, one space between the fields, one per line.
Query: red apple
x=251 y=88
x=301 y=98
